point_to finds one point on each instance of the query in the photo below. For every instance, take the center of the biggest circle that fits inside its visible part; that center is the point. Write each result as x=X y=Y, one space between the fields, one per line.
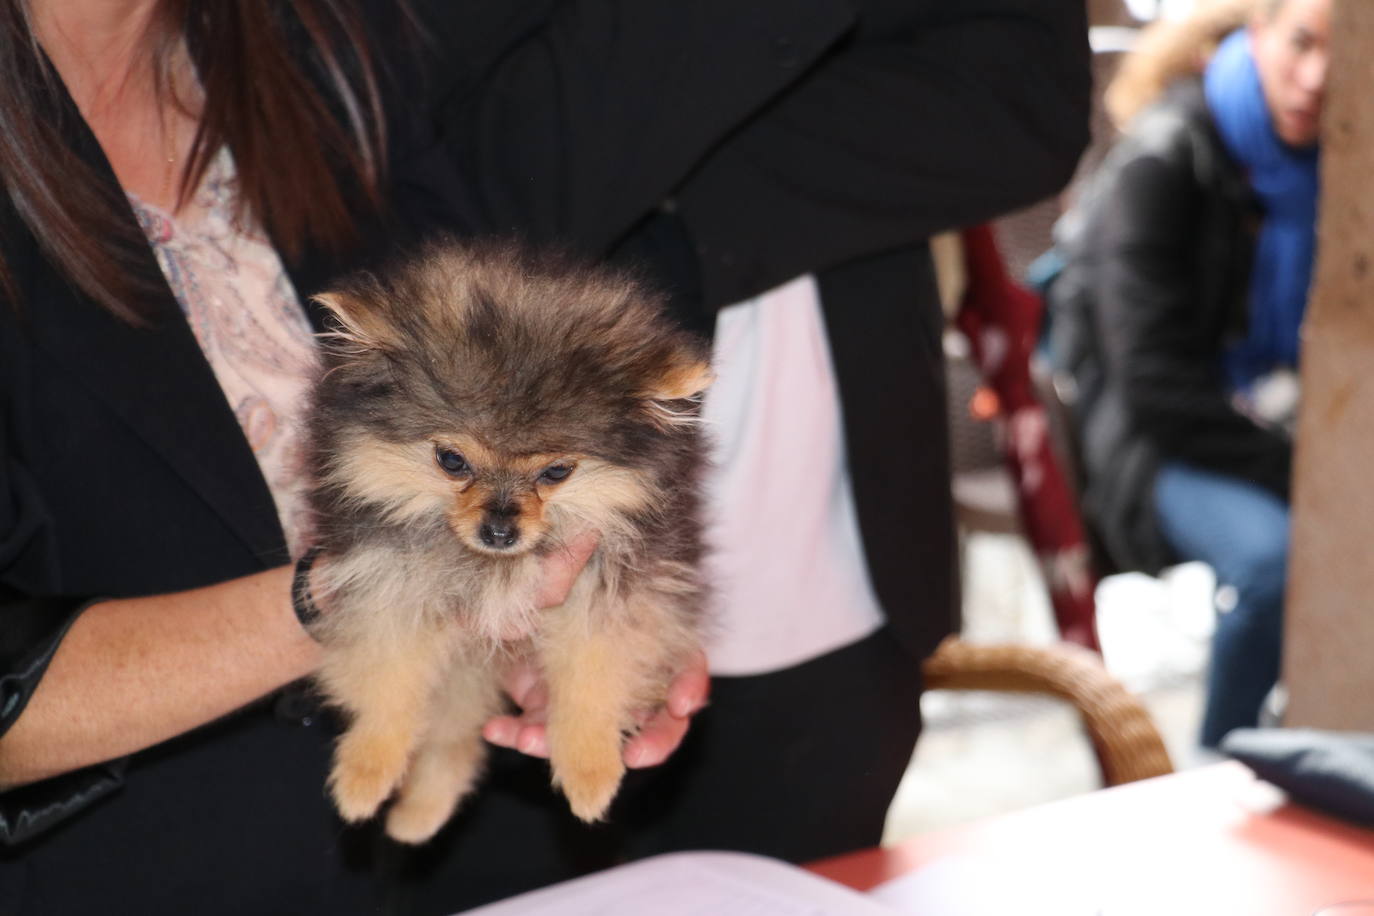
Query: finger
x=691 y=688
x=534 y=705
x=517 y=734
x=502 y=731
x=561 y=567
x=521 y=681
x=533 y=740
x=655 y=742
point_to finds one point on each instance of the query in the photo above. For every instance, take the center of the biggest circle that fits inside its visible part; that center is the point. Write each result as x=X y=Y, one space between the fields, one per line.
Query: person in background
x=1188 y=260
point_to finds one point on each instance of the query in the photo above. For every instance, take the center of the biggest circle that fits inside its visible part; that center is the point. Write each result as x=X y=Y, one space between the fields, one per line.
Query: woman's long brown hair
x=305 y=153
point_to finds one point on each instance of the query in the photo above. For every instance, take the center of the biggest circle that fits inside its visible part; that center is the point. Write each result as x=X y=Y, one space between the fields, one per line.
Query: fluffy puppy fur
x=476 y=408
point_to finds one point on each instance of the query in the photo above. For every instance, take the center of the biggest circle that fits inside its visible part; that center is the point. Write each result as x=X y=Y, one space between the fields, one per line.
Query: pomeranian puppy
x=476 y=408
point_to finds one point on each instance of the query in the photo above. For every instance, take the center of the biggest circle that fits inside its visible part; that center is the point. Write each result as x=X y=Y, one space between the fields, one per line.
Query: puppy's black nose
x=499 y=533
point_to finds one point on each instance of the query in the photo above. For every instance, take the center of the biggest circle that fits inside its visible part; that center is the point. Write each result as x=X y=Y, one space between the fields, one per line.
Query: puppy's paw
x=440 y=777
x=365 y=774
x=589 y=780
x=414 y=821
x=360 y=790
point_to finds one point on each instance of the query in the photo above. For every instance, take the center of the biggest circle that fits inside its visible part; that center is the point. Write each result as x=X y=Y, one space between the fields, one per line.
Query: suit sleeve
x=31 y=628
x=925 y=121
x=1147 y=303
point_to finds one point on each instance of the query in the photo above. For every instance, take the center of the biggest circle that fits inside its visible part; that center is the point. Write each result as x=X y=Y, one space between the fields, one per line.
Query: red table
x=1211 y=841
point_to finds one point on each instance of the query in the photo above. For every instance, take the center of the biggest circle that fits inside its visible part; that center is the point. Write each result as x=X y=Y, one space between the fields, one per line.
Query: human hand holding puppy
x=659 y=734
x=662 y=729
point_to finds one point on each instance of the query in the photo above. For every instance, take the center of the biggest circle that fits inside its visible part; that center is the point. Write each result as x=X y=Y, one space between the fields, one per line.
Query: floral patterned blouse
x=245 y=313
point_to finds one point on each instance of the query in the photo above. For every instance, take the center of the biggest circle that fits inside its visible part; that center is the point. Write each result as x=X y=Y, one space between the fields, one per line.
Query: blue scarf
x=1285 y=180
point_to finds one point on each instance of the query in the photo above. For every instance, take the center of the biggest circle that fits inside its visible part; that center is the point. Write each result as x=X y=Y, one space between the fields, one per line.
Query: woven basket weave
x=1127 y=744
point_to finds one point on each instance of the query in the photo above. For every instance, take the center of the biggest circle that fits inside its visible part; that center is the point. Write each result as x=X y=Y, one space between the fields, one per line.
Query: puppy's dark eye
x=555 y=473
x=451 y=461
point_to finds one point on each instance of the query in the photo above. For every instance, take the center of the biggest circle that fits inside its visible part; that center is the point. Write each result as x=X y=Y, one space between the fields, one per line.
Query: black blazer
x=124 y=472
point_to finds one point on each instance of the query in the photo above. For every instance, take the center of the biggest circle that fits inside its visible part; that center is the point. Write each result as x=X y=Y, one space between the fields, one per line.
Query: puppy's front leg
x=449 y=759
x=385 y=683
x=595 y=678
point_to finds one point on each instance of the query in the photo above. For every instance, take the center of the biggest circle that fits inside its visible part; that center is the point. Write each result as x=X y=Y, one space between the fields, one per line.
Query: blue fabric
x=1328 y=770
x=1240 y=530
x=1286 y=181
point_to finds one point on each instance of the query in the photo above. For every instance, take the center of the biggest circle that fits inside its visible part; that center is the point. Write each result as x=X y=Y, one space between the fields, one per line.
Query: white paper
x=973 y=885
x=693 y=884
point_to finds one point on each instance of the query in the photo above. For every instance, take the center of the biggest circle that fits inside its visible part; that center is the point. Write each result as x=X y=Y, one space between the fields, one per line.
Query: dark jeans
x=1241 y=531
x=797 y=764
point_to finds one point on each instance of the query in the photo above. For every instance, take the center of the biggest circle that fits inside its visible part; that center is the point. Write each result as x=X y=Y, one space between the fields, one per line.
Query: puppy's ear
x=682 y=380
x=358 y=324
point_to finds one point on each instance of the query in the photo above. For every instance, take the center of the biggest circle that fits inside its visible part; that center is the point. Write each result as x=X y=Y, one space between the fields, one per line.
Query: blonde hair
x=1172 y=48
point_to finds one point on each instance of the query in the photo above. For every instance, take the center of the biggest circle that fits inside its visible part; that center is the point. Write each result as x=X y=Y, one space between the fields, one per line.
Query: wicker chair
x=1124 y=737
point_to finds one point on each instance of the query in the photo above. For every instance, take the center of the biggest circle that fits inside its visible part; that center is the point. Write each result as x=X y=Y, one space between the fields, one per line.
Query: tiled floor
x=984 y=753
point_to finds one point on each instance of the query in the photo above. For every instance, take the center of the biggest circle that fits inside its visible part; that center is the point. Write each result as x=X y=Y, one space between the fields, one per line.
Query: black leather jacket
x=1155 y=286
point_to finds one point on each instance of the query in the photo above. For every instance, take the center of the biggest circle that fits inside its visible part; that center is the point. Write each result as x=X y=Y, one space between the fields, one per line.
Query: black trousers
x=797 y=764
